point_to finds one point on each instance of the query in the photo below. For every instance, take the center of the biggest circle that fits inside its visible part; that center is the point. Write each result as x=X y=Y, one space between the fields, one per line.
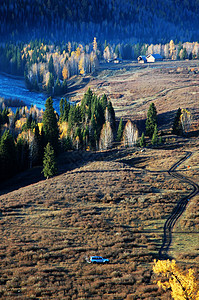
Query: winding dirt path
x=179 y=209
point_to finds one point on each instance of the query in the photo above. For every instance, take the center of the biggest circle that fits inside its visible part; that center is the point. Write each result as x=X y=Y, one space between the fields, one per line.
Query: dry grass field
x=113 y=203
x=132 y=87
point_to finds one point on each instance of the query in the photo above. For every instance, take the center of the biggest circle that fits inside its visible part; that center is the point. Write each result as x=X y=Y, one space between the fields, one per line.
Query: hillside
x=112 y=204
x=148 y=21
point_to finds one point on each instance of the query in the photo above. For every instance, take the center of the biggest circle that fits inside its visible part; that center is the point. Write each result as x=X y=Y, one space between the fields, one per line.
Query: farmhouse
x=142 y=59
x=154 y=57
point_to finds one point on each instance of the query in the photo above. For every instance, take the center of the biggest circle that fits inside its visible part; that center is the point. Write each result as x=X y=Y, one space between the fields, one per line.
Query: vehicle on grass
x=98 y=259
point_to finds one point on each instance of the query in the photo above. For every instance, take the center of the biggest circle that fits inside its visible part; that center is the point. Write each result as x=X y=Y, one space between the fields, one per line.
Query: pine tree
x=66 y=110
x=51 y=65
x=184 y=54
x=61 y=109
x=50 y=84
x=50 y=126
x=7 y=156
x=57 y=88
x=142 y=141
x=155 y=139
x=49 y=163
x=64 y=87
x=112 y=113
x=120 y=131
x=104 y=101
x=177 y=126
x=22 y=154
x=151 y=120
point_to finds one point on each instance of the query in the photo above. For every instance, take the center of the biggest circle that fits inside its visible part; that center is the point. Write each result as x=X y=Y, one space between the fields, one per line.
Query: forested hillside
x=81 y=20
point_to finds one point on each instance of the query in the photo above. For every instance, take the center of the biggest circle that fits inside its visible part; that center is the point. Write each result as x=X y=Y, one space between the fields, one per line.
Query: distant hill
x=80 y=20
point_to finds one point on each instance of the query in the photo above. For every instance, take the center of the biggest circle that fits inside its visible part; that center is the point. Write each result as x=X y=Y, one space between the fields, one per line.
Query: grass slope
x=114 y=204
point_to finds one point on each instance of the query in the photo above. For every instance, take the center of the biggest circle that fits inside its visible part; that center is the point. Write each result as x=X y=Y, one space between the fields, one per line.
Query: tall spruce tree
x=120 y=131
x=7 y=156
x=50 y=126
x=50 y=84
x=49 y=162
x=142 y=141
x=51 y=65
x=155 y=138
x=61 y=109
x=151 y=120
x=177 y=126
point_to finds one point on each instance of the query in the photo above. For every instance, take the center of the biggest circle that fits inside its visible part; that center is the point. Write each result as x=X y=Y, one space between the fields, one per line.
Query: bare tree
x=130 y=134
x=106 y=137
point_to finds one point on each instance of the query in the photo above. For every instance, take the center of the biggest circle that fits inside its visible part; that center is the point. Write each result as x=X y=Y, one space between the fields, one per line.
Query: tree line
x=46 y=67
x=31 y=137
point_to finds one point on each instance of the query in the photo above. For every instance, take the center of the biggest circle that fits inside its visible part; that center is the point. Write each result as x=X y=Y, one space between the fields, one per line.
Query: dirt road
x=179 y=209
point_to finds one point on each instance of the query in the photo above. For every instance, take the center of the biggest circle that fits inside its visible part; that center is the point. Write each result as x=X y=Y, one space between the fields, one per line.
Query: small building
x=142 y=59
x=115 y=60
x=154 y=57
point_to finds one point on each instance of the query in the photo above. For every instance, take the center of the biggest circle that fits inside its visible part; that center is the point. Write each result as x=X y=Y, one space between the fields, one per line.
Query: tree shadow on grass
x=67 y=161
x=20 y=180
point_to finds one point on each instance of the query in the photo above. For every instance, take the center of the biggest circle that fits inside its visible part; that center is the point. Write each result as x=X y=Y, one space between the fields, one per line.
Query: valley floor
x=112 y=203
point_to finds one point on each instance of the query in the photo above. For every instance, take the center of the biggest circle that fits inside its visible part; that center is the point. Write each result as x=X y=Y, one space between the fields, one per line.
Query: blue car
x=98 y=259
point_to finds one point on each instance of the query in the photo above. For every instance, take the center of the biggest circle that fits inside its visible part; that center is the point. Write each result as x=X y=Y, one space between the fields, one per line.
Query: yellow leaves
x=77 y=52
x=95 y=45
x=40 y=125
x=30 y=52
x=65 y=72
x=63 y=128
x=19 y=123
x=81 y=66
x=185 y=120
x=183 y=284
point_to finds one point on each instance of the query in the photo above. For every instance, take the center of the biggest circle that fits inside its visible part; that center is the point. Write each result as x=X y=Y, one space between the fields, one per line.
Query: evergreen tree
x=86 y=104
x=7 y=156
x=51 y=65
x=184 y=54
x=50 y=126
x=66 y=110
x=112 y=113
x=5 y=118
x=120 y=131
x=64 y=87
x=58 y=88
x=38 y=138
x=177 y=126
x=151 y=120
x=22 y=154
x=16 y=116
x=142 y=141
x=50 y=84
x=155 y=138
x=104 y=101
x=49 y=162
x=61 y=109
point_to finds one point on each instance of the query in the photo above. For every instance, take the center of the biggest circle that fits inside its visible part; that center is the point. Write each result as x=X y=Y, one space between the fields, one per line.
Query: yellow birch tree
x=183 y=284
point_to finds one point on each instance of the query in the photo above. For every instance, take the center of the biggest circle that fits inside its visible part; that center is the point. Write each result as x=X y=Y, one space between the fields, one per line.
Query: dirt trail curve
x=179 y=209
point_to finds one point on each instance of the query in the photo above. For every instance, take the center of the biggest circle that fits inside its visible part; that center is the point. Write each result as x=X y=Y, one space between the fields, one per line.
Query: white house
x=154 y=57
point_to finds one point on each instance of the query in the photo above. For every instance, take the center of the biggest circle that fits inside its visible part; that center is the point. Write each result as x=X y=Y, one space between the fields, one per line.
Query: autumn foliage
x=183 y=284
